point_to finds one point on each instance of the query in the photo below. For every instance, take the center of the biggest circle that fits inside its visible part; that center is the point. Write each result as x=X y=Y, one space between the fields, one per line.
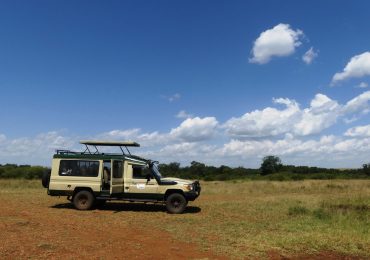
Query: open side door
x=116 y=177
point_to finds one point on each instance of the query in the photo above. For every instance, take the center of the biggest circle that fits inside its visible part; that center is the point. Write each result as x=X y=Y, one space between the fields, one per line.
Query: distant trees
x=270 y=164
x=13 y=171
x=271 y=169
x=366 y=168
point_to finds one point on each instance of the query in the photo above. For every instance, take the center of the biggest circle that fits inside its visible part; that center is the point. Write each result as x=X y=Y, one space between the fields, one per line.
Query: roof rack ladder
x=87 y=149
x=120 y=147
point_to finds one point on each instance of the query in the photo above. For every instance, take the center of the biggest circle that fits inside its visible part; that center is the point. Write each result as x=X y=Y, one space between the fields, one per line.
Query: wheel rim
x=83 y=200
x=176 y=203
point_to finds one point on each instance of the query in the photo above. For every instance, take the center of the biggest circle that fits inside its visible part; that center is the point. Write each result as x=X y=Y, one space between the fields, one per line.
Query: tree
x=270 y=164
x=366 y=168
x=198 y=168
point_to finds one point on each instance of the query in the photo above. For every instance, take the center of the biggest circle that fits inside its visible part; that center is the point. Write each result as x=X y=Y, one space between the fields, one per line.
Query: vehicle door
x=141 y=182
x=116 y=177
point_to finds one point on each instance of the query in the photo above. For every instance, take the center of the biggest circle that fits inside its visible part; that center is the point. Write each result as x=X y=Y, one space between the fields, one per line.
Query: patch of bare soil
x=33 y=231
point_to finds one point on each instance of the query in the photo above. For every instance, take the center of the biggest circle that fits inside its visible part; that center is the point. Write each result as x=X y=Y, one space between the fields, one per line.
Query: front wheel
x=176 y=203
x=83 y=200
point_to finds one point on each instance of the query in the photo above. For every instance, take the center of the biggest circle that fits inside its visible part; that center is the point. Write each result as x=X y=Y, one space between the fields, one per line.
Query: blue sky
x=221 y=82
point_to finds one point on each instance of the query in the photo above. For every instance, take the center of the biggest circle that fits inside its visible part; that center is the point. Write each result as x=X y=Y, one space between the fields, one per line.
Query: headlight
x=188 y=187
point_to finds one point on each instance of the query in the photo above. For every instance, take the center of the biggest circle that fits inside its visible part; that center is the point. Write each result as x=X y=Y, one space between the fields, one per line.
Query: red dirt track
x=31 y=231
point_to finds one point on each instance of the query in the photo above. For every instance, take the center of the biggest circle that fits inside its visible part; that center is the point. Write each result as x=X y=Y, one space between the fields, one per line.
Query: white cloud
x=267 y=122
x=357 y=67
x=309 y=56
x=190 y=130
x=135 y=134
x=120 y=134
x=326 y=151
x=172 y=98
x=276 y=42
x=38 y=149
x=350 y=120
x=286 y=130
x=195 y=129
x=322 y=113
x=362 y=85
x=183 y=114
x=358 y=104
x=358 y=131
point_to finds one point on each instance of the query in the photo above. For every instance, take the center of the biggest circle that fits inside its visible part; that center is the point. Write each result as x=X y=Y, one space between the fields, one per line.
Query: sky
x=219 y=82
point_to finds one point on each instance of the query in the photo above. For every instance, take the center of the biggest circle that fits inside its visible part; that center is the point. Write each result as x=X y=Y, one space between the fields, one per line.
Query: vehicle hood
x=177 y=180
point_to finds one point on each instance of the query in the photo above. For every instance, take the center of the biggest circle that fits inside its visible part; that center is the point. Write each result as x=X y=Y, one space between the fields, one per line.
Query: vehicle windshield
x=156 y=171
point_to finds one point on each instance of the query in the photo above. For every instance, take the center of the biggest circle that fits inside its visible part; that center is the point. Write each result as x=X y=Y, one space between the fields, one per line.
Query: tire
x=83 y=200
x=176 y=203
x=45 y=180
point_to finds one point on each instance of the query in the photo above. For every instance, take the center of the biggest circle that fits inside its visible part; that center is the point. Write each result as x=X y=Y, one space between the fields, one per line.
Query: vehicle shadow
x=130 y=206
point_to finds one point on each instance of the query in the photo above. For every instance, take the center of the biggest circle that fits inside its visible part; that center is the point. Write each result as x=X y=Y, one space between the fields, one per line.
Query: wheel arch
x=172 y=191
x=78 y=189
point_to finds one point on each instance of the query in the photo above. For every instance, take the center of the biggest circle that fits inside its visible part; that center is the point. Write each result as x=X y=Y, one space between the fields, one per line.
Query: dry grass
x=236 y=219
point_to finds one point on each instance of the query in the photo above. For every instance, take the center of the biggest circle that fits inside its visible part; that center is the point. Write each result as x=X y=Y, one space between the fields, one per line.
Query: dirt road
x=31 y=229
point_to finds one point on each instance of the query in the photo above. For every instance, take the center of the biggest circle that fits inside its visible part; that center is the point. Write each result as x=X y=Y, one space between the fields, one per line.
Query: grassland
x=239 y=219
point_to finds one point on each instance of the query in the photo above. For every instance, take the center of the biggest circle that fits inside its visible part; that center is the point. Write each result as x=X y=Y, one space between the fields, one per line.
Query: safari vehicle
x=90 y=178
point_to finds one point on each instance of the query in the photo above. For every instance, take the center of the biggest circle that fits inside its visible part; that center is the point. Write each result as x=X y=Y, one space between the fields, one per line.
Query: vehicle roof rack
x=109 y=143
x=119 y=144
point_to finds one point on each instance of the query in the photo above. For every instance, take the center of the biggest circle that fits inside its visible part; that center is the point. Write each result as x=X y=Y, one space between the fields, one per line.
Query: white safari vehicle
x=90 y=178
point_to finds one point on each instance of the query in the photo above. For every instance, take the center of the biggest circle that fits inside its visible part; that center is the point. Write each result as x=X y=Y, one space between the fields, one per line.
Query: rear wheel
x=45 y=180
x=176 y=203
x=83 y=200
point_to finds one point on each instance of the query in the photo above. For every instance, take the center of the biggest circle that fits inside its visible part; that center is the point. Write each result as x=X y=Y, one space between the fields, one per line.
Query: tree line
x=14 y=171
x=271 y=169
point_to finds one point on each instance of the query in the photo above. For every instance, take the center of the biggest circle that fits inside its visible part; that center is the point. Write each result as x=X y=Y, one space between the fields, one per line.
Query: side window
x=79 y=168
x=117 y=169
x=140 y=172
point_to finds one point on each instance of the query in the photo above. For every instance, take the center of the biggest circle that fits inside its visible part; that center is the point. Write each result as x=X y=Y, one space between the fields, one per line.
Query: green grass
x=250 y=218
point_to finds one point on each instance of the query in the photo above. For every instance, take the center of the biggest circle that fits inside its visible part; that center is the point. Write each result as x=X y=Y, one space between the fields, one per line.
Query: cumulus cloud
x=362 y=85
x=286 y=130
x=190 y=130
x=135 y=134
x=267 y=122
x=183 y=114
x=38 y=149
x=325 y=151
x=358 y=131
x=278 y=41
x=309 y=56
x=358 y=104
x=195 y=129
x=120 y=134
x=322 y=113
x=357 y=67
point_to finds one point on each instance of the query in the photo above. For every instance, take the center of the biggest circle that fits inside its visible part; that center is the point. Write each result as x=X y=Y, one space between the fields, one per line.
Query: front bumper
x=192 y=195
